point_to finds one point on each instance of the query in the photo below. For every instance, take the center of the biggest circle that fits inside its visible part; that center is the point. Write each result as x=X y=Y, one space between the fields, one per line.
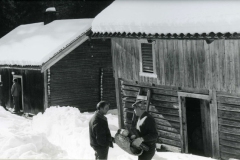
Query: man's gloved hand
x=133 y=136
x=137 y=142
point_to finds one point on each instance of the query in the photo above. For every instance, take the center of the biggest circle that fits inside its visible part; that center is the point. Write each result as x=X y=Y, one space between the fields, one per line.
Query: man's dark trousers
x=101 y=153
x=147 y=155
x=16 y=103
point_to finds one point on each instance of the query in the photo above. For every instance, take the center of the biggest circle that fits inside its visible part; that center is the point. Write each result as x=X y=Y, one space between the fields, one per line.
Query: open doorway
x=194 y=126
x=195 y=123
x=20 y=82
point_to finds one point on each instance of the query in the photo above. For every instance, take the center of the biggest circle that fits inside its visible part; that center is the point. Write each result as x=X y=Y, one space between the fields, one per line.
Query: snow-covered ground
x=60 y=133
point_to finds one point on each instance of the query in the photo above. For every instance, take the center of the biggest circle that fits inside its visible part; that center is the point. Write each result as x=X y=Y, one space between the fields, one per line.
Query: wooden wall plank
x=181 y=63
x=170 y=148
x=207 y=65
x=229 y=129
x=168 y=135
x=230 y=150
x=236 y=64
x=162 y=110
x=229 y=123
x=230 y=144
x=164 y=116
x=168 y=129
x=184 y=63
x=170 y=142
x=229 y=136
x=165 y=122
x=228 y=156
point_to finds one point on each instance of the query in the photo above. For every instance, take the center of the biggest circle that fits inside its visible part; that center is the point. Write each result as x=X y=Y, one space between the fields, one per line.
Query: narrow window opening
x=147 y=58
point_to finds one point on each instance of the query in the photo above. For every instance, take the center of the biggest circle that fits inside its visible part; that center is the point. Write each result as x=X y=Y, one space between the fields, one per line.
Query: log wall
x=229 y=125
x=75 y=79
x=164 y=109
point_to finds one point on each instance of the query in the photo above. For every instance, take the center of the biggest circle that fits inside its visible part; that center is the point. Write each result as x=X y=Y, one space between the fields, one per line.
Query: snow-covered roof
x=163 y=17
x=34 y=44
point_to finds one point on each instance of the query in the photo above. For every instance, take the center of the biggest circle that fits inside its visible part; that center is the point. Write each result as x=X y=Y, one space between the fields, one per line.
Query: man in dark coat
x=144 y=127
x=15 y=91
x=100 y=136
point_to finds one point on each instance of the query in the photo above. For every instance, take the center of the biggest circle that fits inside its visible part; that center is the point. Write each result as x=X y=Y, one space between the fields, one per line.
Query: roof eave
x=63 y=52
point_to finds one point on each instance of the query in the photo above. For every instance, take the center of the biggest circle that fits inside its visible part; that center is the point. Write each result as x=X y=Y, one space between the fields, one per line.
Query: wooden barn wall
x=195 y=66
x=75 y=79
x=164 y=109
x=229 y=125
x=184 y=63
x=32 y=88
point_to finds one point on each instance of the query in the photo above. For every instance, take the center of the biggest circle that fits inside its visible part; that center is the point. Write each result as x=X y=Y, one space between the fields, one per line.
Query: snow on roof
x=169 y=17
x=34 y=44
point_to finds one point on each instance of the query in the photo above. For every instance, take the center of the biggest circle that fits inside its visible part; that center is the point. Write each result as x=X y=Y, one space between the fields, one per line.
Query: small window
x=147 y=59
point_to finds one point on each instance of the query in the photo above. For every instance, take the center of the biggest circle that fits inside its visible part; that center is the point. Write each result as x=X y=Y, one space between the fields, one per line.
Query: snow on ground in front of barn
x=60 y=133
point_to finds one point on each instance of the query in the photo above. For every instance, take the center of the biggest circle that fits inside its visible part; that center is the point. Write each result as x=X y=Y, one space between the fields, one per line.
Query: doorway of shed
x=21 y=97
x=195 y=124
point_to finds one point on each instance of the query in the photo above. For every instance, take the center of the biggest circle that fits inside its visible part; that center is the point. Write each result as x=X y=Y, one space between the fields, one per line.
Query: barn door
x=206 y=127
x=195 y=123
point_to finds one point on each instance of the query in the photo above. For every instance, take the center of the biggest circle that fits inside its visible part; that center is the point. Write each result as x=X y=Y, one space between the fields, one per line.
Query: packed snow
x=169 y=16
x=61 y=133
x=34 y=44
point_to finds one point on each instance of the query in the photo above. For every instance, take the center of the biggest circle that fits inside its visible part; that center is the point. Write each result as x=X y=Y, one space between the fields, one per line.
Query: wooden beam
x=45 y=97
x=192 y=95
x=181 y=124
x=117 y=88
x=64 y=52
x=214 y=125
x=37 y=68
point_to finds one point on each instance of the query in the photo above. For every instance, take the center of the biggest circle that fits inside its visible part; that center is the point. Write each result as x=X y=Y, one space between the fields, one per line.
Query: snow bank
x=18 y=140
x=61 y=133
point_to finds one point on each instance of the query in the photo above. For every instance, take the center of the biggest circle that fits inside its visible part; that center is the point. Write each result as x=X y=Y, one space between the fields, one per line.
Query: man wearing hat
x=144 y=127
x=16 y=91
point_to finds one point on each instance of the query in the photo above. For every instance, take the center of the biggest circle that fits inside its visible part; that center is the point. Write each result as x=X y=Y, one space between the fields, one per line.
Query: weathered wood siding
x=75 y=79
x=184 y=63
x=32 y=88
x=163 y=107
x=229 y=125
x=192 y=66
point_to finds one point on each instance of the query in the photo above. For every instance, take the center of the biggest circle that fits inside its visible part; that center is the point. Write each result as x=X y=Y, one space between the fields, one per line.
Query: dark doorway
x=194 y=126
x=19 y=81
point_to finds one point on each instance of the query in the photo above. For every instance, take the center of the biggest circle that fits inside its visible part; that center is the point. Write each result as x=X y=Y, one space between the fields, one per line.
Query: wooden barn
x=56 y=65
x=188 y=54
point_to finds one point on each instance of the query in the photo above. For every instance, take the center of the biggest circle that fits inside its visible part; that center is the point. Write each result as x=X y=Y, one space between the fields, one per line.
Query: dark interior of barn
x=194 y=127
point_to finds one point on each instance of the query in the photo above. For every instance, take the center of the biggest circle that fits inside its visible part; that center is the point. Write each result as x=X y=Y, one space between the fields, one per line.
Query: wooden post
x=181 y=126
x=119 y=102
x=214 y=125
x=45 y=97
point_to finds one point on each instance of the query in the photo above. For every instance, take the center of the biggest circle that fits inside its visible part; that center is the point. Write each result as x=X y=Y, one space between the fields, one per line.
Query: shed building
x=56 y=65
x=187 y=54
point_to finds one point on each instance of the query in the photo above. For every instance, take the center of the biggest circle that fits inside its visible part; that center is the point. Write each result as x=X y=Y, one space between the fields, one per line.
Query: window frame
x=145 y=74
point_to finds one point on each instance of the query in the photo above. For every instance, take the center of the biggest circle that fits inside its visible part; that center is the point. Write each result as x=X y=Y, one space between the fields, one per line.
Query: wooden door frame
x=182 y=116
x=20 y=76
